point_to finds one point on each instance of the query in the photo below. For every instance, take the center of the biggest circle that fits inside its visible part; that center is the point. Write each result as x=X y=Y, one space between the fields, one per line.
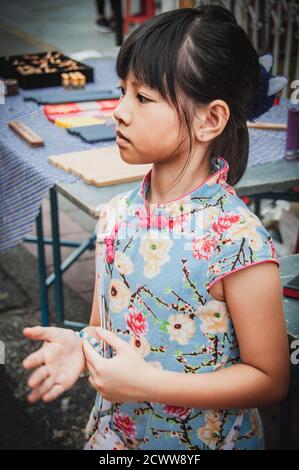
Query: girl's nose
x=120 y=113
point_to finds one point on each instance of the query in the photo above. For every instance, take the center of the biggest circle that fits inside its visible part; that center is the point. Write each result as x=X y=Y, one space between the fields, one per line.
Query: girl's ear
x=211 y=121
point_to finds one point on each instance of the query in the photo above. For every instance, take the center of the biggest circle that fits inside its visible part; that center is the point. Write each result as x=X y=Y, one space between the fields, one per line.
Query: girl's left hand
x=124 y=378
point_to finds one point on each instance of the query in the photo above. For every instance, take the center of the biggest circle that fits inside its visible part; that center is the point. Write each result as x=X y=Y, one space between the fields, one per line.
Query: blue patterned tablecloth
x=269 y=146
x=26 y=175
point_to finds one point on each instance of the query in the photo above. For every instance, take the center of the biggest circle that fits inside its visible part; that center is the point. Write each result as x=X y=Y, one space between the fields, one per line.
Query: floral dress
x=158 y=269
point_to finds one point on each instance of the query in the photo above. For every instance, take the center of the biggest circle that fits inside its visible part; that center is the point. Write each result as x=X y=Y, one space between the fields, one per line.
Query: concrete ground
x=52 y=24
x=67 y=25
x=58 y=425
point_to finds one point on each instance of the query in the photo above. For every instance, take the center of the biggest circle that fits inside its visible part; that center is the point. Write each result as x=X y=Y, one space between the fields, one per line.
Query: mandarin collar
x=207 y=189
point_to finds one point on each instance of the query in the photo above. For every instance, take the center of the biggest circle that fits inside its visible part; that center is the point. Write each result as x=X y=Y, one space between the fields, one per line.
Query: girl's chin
x=132 y=160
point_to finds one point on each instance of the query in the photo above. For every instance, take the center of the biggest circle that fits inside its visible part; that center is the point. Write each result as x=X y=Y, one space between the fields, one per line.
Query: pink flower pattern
x=125 y=424
x=137 y=323
x=109 y=242
x=204 y=247
x=177 y=411
x=224 y=222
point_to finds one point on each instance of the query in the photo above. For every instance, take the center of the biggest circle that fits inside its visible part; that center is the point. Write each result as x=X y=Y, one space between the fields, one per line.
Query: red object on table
x=147 y=11
x=291 y=289
x=246 y=199
x=276 y=101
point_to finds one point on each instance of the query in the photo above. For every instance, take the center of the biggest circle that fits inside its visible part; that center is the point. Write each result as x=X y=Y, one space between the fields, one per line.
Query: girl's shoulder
x=241 y=214
x=226 y=213
x=239 y=240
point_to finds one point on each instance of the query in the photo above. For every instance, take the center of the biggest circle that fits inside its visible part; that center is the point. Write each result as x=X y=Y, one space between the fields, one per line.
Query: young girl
x=197 y=341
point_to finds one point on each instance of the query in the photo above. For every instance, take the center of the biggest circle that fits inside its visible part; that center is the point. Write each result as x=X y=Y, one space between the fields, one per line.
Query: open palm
x=58 y=363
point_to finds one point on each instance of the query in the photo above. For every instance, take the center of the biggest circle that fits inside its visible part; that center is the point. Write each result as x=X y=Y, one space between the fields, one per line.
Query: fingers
x=111 y=338
x=38 y=376
x=36 y=332
x=38 y=392
x=35 y=359
x=48 y=333
x=92 y=357
x=52 y=393
x=55 y=391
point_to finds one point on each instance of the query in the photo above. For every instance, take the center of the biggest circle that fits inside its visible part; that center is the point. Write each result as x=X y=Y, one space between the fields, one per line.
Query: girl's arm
x=253 y=298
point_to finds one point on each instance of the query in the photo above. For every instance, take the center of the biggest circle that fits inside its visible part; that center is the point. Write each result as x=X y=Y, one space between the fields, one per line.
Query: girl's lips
x=121 y=139
x=122 y=136
x=122 y=142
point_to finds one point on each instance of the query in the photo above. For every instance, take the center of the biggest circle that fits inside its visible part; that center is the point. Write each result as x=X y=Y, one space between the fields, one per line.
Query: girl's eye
x=121 y=89
x=142 y=99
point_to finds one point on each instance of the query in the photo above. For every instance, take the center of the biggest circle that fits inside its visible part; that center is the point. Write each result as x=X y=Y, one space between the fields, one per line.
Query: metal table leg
x=257 y=205
x=56 y=257
x=43 y=293
x=59 y=268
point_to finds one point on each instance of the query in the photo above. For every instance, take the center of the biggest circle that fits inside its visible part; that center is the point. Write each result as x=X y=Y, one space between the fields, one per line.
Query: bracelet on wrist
x=92 y=341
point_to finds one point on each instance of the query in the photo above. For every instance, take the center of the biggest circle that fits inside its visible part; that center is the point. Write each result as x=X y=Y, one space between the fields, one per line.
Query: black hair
x=197 y=55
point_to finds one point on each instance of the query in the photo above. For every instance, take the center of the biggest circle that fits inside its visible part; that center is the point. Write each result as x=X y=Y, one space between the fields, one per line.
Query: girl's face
x=149 y=123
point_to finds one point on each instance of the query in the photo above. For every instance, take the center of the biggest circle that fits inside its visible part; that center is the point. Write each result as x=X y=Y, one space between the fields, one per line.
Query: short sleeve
x=240 y=241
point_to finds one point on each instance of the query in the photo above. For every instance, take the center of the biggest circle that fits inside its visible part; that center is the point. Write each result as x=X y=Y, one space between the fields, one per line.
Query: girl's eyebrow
x=134 y=82
x=139 y=84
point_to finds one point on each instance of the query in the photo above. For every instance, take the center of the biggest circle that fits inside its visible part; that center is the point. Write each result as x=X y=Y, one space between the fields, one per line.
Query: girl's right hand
x=58 y=363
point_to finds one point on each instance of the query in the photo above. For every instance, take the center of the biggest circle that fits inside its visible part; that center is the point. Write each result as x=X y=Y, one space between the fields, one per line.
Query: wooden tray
x=9 y=64
x=100 y=166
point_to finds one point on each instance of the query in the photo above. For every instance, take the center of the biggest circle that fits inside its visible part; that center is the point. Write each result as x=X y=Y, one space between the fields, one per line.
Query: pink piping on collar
x=225 y=168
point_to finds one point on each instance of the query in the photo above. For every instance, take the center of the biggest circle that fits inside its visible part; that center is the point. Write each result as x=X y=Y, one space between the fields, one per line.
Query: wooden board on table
x=100 y=166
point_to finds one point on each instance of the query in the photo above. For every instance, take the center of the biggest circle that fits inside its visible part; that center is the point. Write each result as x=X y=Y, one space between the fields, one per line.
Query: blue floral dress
x=158 y=269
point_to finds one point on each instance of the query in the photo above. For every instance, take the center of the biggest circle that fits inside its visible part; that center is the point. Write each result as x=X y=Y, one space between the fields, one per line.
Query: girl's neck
x=162 y=189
